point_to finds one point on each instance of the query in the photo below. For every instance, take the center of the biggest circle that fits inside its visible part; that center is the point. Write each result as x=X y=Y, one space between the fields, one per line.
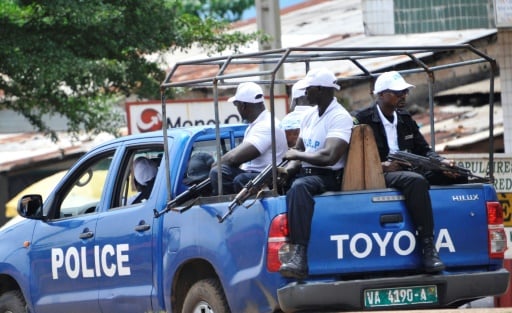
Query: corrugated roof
x=21 y=149
x=329 y=23
x=477 y=87
x=456 y=126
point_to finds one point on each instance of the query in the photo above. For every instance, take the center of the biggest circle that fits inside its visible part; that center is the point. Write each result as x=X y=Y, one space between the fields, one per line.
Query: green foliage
x=231 y=10
x=75 y=58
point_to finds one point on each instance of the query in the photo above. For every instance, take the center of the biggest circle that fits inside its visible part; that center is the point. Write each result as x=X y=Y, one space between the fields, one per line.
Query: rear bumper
x=453 y=289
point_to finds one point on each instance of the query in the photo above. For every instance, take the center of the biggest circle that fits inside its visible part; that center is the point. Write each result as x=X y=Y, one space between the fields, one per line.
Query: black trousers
x=415 y=188
x=301 y=205
x=233 y=179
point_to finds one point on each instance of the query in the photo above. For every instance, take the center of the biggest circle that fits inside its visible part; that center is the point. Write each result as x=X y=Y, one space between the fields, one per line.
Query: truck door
x=124 y=233
x=64 y=259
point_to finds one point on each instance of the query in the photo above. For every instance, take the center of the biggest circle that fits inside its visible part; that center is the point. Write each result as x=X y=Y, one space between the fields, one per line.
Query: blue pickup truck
x=89 y=249
x=87 y=252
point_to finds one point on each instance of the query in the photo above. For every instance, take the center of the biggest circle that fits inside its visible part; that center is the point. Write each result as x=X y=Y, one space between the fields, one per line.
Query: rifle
x=421 y=164
x=251 y=187
x=192 y=192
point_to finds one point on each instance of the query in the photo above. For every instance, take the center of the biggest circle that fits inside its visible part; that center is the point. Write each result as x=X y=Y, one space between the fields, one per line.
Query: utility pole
x=503 y=10
x=268 y=19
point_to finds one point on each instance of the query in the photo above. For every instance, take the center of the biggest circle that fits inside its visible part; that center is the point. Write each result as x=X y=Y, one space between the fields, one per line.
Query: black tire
x=12 y=302
x=205 y=296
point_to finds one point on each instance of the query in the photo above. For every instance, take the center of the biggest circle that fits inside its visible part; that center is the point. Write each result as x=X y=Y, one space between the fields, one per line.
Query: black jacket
x=409 y=137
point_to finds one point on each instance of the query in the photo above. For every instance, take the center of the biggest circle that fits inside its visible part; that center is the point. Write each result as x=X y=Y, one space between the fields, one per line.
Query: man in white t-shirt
x=318 y=158
x=248 y=159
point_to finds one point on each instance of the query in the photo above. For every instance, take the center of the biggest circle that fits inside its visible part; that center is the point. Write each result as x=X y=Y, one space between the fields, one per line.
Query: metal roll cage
x=364 y=62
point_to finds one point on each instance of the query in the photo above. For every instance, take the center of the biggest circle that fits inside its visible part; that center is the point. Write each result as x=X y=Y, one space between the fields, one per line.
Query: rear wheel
x=205 y=296
x=12 y=302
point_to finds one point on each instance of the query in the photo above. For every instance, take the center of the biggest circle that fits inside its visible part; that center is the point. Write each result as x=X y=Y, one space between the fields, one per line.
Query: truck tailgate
x=362 y=232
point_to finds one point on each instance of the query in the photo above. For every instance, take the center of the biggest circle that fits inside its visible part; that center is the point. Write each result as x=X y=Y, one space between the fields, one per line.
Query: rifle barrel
x=192 y=191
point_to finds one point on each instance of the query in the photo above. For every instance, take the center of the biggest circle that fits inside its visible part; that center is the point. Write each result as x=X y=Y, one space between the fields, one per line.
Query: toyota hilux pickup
x=88 y=249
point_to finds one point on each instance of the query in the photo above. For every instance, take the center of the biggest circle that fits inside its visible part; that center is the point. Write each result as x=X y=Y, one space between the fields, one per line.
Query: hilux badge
x=465 y=197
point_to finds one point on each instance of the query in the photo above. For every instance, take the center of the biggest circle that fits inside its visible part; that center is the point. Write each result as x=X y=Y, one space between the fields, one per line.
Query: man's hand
x=291 y=154
x=282 y=175
x=450 y=163
x=391 y=166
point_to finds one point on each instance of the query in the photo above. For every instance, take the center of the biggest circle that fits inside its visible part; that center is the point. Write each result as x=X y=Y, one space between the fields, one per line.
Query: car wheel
x=205 y=296
x=12 y=302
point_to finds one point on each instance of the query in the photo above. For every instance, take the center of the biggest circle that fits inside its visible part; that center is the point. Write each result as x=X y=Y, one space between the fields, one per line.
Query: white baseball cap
x=318 y=77
x=297 y=93
x=248 y=92
x=390 y=81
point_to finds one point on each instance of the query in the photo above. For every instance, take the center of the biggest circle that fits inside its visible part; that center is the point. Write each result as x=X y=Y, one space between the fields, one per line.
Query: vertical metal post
x=166 y=144
x=491 y=121
x=431 y=109
x=217 y=134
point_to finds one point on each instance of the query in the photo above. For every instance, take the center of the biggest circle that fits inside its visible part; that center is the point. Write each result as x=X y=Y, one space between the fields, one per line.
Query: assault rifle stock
x=421 y=164
x=192 y=192
x=251 y=187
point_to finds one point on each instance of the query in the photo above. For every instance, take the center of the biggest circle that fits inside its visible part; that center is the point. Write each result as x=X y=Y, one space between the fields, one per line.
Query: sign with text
x=478 y=164
x=146 y=116
x=503 y=12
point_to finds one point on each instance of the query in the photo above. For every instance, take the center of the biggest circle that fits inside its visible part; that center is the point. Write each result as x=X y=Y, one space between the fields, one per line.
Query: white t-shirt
x=258 y=134
x=336 y=122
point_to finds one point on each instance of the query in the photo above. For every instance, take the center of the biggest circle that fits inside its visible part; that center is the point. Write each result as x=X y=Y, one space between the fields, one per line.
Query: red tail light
x=497 y=239
x=277 y=237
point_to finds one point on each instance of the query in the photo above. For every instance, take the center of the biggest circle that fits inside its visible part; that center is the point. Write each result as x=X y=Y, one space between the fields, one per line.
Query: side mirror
x=31 y=206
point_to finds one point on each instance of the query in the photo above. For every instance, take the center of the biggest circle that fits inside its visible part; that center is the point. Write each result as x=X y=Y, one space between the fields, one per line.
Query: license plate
x=400 y=296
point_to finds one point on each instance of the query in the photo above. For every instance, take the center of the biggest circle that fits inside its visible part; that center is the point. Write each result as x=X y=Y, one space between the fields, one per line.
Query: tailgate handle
x=391 y=218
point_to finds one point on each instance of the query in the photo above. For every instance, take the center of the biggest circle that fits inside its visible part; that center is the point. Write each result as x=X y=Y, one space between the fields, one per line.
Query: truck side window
x=200 y=161
x=203 y=155
x=86 y=189
x=137 y=176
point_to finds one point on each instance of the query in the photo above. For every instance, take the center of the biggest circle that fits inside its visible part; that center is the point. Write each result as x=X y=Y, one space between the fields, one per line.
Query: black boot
x=297 y=265
x=431 y=261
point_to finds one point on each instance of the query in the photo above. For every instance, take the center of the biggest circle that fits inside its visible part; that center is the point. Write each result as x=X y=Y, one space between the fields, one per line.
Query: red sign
x=147 y=116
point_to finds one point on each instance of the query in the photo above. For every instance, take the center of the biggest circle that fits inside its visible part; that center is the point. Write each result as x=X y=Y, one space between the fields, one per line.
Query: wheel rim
x=203 y=307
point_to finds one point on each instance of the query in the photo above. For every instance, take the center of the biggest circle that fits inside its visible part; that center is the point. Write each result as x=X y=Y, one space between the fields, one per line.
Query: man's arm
x=241 y=154
x=330 y=154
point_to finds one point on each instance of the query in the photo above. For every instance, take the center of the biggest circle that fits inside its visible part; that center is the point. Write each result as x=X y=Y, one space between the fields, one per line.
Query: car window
x=86 y=188
x=137 y=175
x=200 y=160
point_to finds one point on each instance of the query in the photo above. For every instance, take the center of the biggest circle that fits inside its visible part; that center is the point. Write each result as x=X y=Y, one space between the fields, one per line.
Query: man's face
x=312 y=94
x=240 y=106
x=394 y=98
x=291 y=136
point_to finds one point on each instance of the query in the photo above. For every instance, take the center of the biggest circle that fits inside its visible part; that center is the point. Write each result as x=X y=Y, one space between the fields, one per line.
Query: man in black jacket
x=395 y=130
